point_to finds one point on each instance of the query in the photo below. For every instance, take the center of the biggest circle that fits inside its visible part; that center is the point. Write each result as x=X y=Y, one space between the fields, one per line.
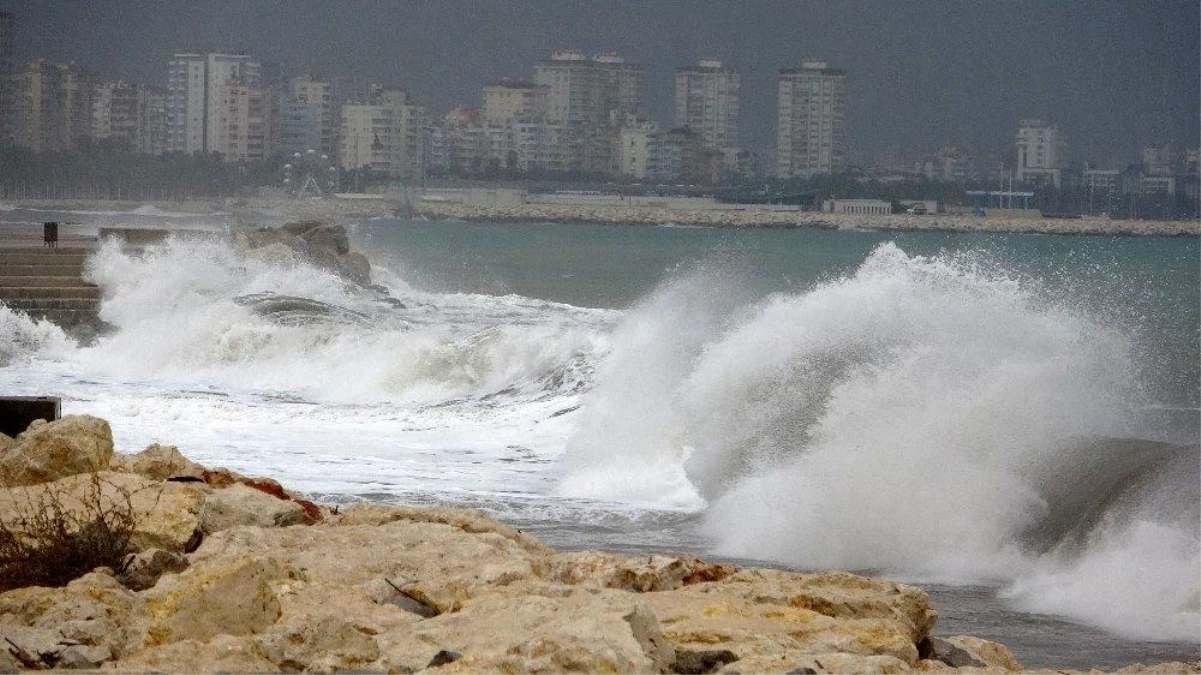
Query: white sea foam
x=900 y=419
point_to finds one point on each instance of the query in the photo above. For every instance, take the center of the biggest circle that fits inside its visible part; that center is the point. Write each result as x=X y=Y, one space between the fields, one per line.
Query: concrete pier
x=47 y=283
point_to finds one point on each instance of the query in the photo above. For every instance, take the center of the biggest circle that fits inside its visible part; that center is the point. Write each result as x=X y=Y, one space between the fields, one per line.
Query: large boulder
x=321 y=244
x=158 y=462
x=782 y=618
x=94 y=611
x=166 y=515
x=588 y=631
x=223 y=654
x=239 y=505
x=637 y=574
x=231 y=596
x=440 y=564
x=45 y=452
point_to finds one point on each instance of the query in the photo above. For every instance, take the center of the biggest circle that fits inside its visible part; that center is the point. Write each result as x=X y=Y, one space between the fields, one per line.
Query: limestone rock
x=323 y=644
x=9 y=665
x=166 y=514
x=224 y=654
x=72 y=445
x=986 y=652
x=142 y=570
x=231 y=596
x=586 y=632
x=158 y=462
x=775 y=616
x=83 y=657
x=6 y=442
x=834 y=662
x=243 y=505
x=92 y=611
x=467 y=520
x=637 y=574
x=441 y=564
x=321 y=244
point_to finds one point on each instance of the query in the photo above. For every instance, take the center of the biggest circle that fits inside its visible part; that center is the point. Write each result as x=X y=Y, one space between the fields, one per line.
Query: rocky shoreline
x=255 y=209
x=750 y=218
x=237 y=574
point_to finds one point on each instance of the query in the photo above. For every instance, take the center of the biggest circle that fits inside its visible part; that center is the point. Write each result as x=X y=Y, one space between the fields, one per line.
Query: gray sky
x=1114 y=75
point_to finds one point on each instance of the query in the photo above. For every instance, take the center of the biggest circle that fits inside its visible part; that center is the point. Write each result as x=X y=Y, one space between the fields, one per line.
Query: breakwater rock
x=322 y=244
x=236 y=574
x=750 y=217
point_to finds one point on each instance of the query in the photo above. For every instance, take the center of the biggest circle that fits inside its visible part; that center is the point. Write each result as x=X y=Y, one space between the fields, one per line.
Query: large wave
x=193 y=310
x=935 y=418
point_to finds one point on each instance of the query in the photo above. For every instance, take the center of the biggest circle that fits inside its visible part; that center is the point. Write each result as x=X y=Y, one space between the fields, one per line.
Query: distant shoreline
x=254 y=210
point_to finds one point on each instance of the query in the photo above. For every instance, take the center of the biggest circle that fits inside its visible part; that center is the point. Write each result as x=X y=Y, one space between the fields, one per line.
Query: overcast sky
x=1113 y=75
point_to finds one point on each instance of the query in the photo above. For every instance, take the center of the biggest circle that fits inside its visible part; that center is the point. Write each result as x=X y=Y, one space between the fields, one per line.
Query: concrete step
x=30 y=304
x=24 y=270
x=41 y=281
x=66 y=318
x=40 y=250
x=39 y=258
x=36 y=292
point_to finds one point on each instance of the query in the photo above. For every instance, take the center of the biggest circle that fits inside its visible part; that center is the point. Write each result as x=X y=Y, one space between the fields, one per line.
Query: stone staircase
x=47 y=283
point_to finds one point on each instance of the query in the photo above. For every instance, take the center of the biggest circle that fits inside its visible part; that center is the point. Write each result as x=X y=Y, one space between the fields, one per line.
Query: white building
x=589 y=92
x=507 y=100
x=210 y=98
x=1040 y=152
x=133 y=113
x=859 y=207
x=812 y=121
x=387 y=135
x=708 y=102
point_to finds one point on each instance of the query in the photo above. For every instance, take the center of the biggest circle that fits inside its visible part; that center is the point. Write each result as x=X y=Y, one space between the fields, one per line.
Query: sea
x=1010 y=421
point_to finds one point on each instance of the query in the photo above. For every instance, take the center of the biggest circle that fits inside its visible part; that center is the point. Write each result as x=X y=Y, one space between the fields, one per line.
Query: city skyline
x=1113 y=76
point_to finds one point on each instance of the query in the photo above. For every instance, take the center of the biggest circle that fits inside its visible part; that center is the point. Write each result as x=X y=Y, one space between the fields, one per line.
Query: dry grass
x=55 y=537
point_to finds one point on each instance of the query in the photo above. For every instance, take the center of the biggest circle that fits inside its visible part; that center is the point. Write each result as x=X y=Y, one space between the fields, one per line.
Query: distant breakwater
x=746 y=218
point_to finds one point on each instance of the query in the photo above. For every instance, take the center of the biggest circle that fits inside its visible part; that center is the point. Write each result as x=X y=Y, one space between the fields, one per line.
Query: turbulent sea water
x=1008 y=420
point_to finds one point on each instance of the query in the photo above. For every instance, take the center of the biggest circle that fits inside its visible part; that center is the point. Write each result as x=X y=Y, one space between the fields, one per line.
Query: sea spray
x=186 y=311
x=898 y=419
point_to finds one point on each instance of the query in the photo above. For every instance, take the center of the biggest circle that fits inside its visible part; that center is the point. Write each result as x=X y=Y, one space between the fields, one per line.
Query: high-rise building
x=322 y=113
x=708 y=103
x=812 y=120
x=132 y=114
x=386 y=135
x=7 y=100
x=507 y=100
x=590 y=92
x=52 y=107
x=216 y=104
x=1040 y=152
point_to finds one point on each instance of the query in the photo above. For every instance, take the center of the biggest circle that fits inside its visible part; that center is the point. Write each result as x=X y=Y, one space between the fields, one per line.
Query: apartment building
x=812 y=137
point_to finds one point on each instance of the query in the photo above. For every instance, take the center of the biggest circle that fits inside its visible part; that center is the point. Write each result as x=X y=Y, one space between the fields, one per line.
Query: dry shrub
x=56 y=537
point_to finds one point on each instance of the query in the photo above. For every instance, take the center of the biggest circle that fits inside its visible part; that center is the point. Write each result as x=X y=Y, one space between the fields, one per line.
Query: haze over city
x=1114 y=76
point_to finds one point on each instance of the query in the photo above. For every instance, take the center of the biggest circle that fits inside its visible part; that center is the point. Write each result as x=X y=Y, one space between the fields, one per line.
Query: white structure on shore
x=133 y=113
x=386 y=135
x=812 y=121
x=1040 y=152
x=708 y=101
x=215 y=103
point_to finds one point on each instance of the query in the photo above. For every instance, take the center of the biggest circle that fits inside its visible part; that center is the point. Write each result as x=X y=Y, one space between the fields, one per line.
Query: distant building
x=858 y=207
x=387 y=135
x=1158 y=160
x=216 y=104
x=323 y=113
x=133 y=114
x=708 y=101
x=812 y=120
x=508 y=100
x=52 y=107
x=950 y=163
x=1040 y=152
x=591 y=98
x=588 y=92
x=1107 y=181
x=7 y=100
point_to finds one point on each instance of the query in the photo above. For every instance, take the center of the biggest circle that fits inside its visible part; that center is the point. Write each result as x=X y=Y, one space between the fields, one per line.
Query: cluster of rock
x=642 y=215
x=318 y=243
x=238 y=575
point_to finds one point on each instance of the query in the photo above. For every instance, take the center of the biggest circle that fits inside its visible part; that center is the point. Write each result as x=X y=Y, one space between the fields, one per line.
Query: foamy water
x=932 y=418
